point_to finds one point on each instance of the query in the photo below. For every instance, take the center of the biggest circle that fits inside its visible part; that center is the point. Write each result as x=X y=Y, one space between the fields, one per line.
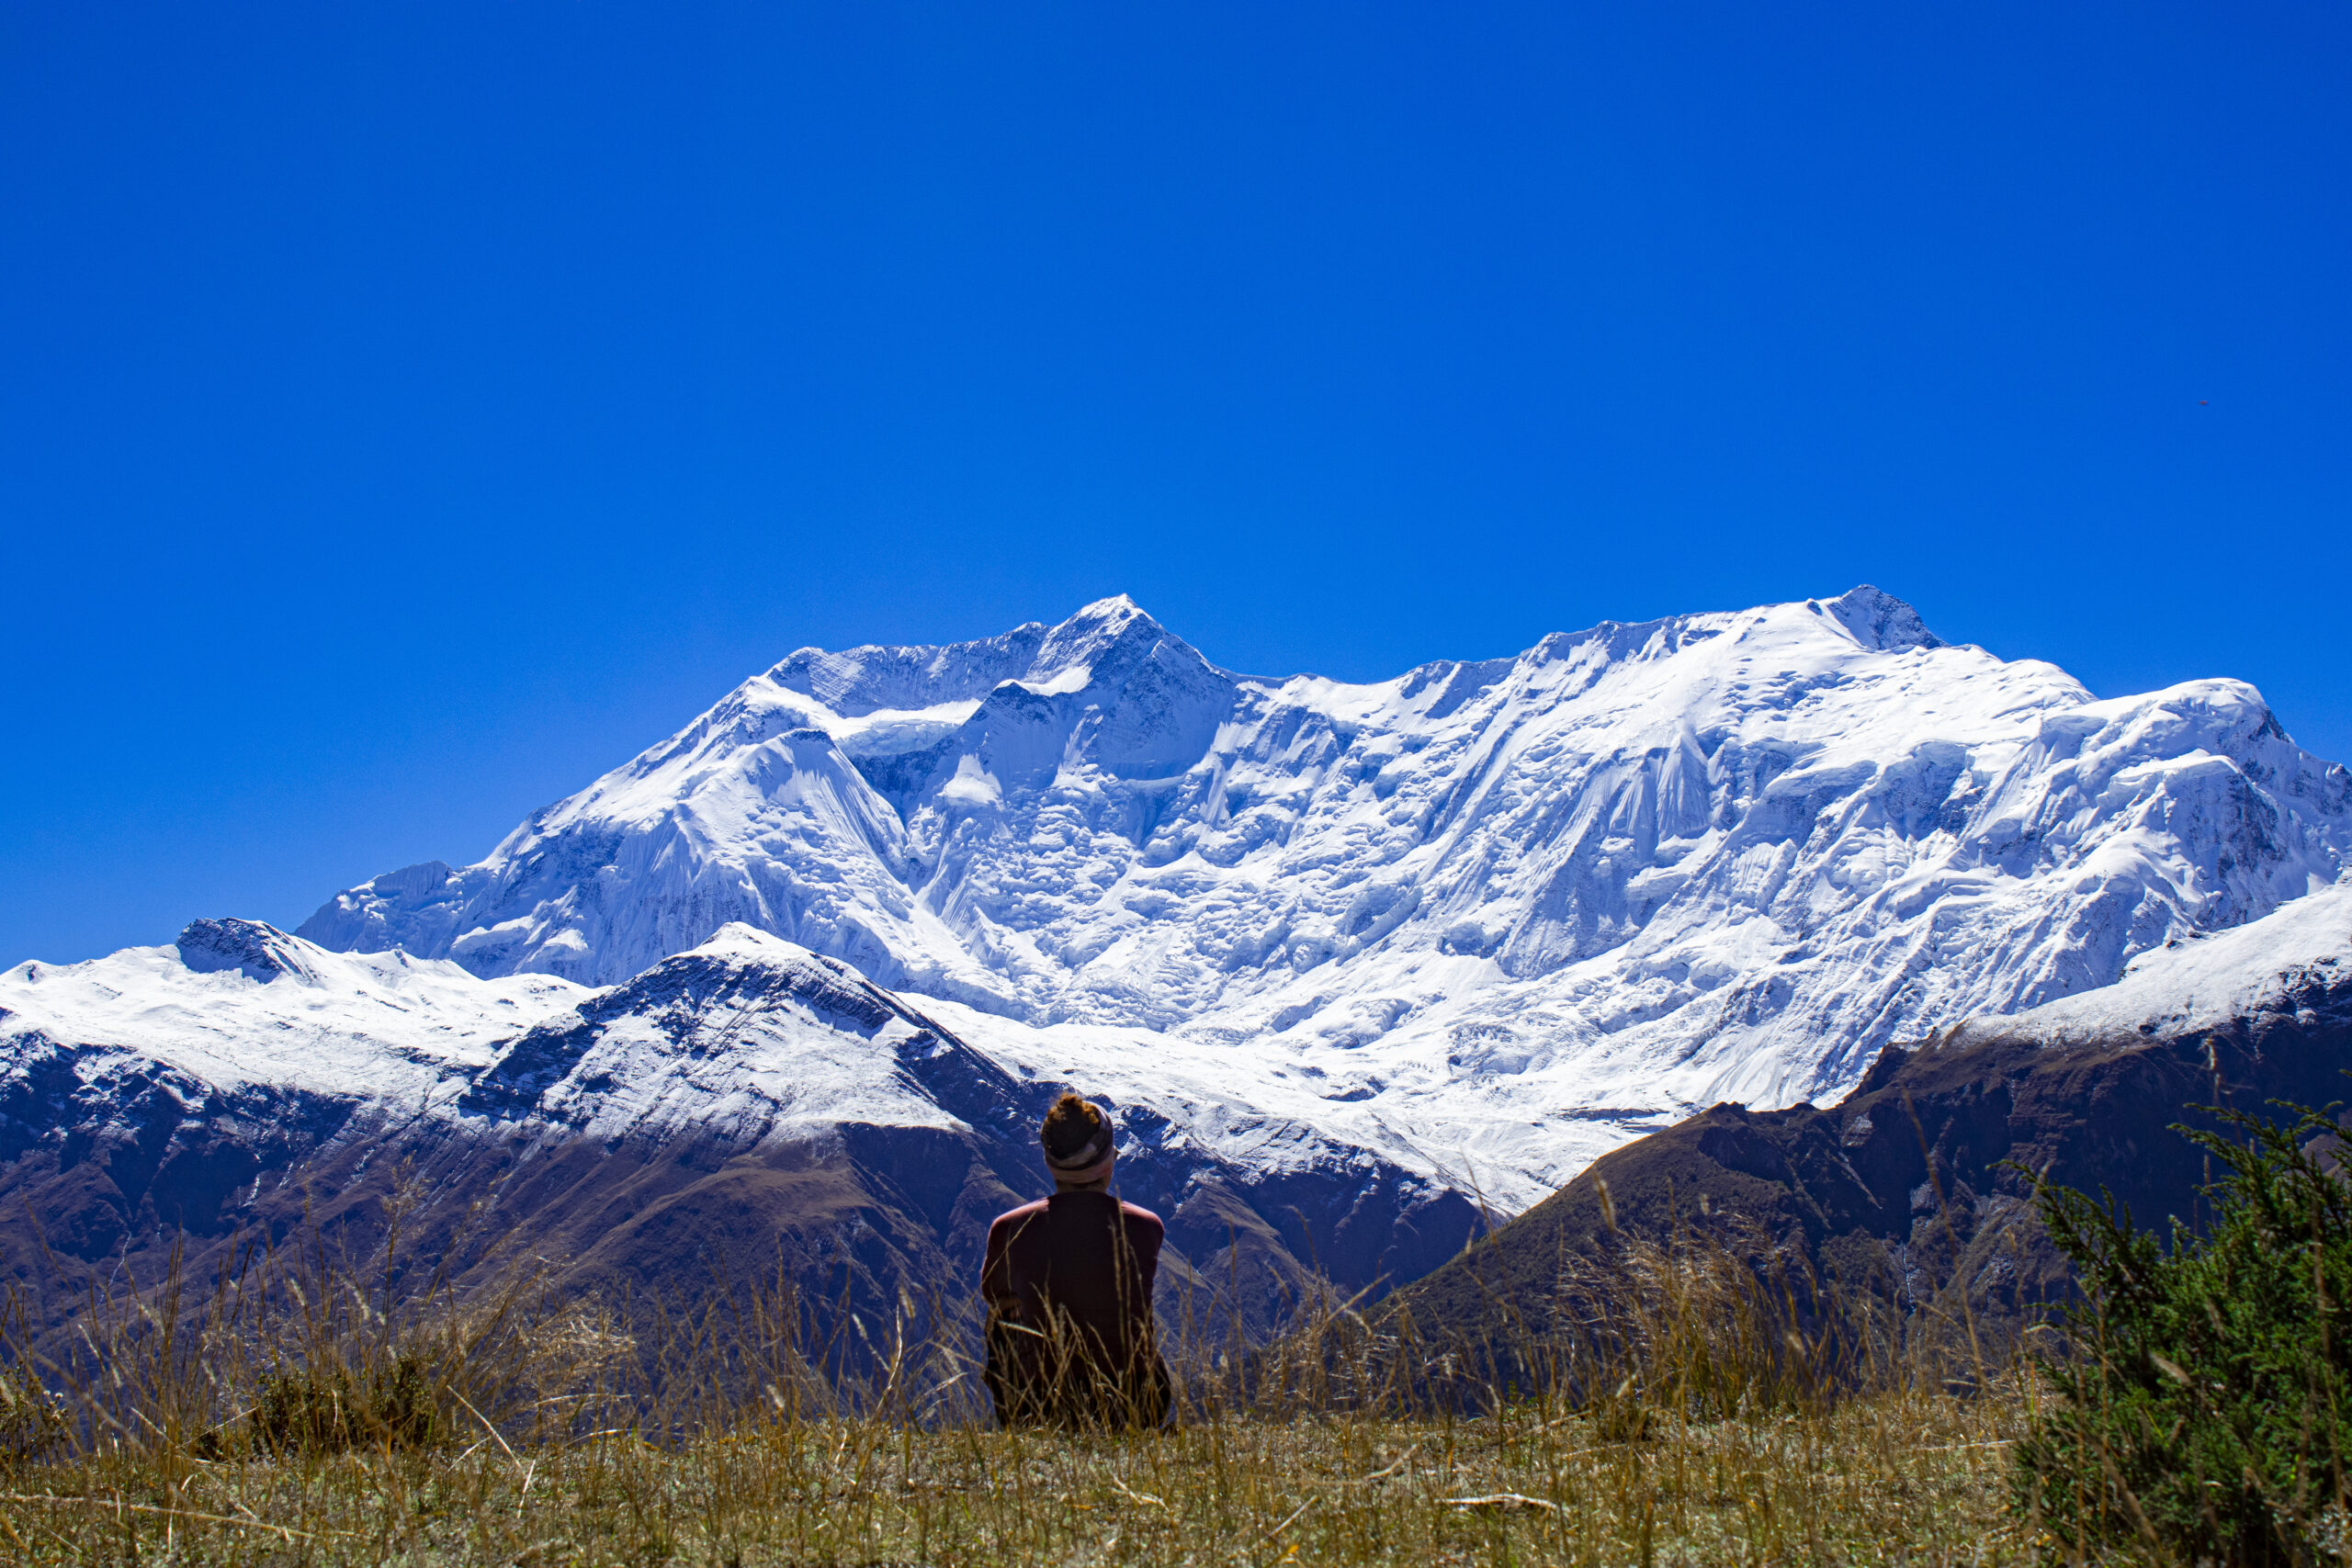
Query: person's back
x=1068 y=1281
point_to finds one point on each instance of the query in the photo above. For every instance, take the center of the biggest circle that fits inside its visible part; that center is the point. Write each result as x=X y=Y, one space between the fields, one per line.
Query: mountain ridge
x=738 y=1109
x=1917 y=1186
x=1644 y=866
x=1358 y=969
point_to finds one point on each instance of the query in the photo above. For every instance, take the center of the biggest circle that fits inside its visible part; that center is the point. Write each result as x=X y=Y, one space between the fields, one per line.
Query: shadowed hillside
x=1912 y=1190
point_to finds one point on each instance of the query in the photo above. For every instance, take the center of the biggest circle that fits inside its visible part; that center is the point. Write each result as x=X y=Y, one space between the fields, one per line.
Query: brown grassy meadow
x=300 y=1411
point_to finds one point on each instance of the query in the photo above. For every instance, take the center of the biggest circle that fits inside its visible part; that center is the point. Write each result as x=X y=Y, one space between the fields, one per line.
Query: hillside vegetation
x=1685 y=1404
x=295 y=1419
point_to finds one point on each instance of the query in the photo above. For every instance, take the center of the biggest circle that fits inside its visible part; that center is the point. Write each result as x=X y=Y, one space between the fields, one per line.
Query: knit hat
x=1072 y=1121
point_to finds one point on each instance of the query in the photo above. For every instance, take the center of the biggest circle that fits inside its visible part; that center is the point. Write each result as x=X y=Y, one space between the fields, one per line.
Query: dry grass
x=1688 y=1417
x=1890 y=1479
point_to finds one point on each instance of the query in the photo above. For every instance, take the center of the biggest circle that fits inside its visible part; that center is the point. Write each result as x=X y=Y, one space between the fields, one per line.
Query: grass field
x=301 y=1411
x=1893 y=1478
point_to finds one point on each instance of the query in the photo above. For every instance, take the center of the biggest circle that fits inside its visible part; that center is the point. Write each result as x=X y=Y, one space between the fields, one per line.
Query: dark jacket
x=1071 y=1336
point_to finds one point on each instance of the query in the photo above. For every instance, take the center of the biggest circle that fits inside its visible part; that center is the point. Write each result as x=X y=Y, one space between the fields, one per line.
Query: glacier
x=2293 y=967
x=1485 y=920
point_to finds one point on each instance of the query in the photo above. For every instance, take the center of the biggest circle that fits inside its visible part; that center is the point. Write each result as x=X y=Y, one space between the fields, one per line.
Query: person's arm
x=1145 y=1233
x=995 y=1271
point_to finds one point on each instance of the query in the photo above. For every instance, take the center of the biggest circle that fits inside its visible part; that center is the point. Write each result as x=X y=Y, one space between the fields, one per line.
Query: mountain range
x=1359 y=968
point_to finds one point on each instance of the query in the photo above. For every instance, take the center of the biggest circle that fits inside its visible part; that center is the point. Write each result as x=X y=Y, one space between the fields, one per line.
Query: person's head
x=1078 y=1146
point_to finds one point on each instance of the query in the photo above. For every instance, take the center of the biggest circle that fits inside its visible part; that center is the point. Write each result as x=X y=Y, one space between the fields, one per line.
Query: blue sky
x=409 y=411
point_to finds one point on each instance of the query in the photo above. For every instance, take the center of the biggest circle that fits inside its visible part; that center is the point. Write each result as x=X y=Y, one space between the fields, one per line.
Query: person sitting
x=1067 y=1280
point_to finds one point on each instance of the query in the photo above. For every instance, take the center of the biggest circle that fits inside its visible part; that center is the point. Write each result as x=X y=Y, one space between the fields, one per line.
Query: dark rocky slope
x=1913 y=1187
x=623 y=1146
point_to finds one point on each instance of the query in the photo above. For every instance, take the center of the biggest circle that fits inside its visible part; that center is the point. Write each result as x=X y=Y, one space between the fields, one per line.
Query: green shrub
x=2199 y=1411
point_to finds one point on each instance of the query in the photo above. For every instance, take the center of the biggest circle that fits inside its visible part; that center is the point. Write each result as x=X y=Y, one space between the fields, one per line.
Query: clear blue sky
x=407 y=412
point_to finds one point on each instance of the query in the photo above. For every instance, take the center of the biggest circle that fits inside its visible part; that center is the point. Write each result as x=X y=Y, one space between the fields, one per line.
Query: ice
x=2273 y=965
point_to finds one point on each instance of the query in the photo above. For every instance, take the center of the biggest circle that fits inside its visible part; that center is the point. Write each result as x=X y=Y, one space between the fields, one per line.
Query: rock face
x=745 y=1110
x=1908 y=1187
x=1520 y=911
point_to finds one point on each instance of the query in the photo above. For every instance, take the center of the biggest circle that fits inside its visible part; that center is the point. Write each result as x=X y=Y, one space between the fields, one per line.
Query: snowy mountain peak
x=1108 y=632
x=1095 y=625
x=1633 y=869
x=1879 y=621
x=260 y=950
x=861 y=682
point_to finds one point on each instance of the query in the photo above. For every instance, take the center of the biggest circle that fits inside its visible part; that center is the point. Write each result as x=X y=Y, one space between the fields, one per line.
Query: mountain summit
x=1516 y=909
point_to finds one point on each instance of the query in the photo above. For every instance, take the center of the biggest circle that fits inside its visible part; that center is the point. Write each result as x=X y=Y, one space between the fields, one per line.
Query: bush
x=326 y=1410
x=32 y=1419
x=2199 y=1411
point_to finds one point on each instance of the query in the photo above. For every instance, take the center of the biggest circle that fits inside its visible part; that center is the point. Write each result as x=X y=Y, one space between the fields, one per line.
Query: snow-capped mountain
x=1919 y=1186
x=1491 y=919
x=741 y=1106
x=1353 y=966
x=2293 y=966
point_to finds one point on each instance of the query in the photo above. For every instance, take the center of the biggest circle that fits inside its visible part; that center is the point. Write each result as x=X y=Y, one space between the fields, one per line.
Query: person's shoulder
x=1140 y=1216
x=1013 y=1217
